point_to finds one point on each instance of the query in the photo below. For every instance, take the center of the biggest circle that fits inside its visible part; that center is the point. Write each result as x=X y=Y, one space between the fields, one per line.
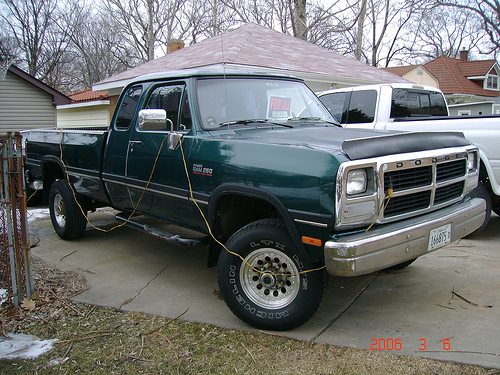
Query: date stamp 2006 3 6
x=391 y=344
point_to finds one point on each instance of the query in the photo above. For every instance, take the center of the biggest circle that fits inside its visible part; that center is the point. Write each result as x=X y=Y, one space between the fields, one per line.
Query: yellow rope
x=382 y=208
x=192 y=198
x=220 y=243
x=138 y=202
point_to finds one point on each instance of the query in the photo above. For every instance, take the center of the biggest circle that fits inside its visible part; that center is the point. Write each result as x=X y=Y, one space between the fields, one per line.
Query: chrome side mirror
x=173 y=141
x=153 y=119
x=156 y=119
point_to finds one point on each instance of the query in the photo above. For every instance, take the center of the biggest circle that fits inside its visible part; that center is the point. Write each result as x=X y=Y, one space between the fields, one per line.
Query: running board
x=174 y=239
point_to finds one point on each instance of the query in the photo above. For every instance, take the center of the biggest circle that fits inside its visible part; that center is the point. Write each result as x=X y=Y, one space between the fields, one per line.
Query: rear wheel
x=264 y=287
x=67 y=218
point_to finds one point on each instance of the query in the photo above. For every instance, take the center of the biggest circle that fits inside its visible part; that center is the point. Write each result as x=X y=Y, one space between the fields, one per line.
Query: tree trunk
x=300 y=19
x=150 y=41
x=359 y=34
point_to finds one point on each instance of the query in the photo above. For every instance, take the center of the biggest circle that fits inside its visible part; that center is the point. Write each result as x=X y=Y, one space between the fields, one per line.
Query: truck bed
x=81 y=151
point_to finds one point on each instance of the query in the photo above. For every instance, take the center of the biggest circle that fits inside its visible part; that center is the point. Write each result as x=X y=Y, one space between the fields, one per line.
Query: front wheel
x=481 y=191
x=66 y=216
x=265 y=287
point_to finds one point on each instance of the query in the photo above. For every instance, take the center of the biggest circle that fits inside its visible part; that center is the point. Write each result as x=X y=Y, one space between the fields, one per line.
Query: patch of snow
x=58 y=361
x=19 y=345
x=35 y=214
x=3 y=295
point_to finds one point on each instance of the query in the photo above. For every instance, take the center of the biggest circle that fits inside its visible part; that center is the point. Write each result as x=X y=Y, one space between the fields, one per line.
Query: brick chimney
x=174 y=45
x=464 y=55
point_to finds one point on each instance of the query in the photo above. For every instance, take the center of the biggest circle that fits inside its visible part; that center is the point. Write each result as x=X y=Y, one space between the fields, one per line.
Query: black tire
x=264 y=301
x=67 y=218
x=400 y=266
x=481 y=191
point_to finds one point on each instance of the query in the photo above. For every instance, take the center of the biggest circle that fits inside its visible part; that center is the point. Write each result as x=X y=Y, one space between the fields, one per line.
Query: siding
x=476 y=109
x=92 y=114
x=421 y=79
x=24 y=106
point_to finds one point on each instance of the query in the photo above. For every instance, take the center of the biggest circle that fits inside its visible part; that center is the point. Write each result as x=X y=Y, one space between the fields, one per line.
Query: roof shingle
x=88 y=95
x=258 y=46
x=452 y=75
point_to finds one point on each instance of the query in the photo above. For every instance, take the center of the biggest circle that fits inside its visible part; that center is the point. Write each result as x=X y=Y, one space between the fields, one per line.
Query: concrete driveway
x=444 y=306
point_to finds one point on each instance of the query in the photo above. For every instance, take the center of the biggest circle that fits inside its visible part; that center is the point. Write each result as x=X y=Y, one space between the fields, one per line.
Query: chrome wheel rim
x=59 y=210
x=269 y=278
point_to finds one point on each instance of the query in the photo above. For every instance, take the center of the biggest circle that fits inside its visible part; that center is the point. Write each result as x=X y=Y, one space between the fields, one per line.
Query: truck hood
x=355 y=143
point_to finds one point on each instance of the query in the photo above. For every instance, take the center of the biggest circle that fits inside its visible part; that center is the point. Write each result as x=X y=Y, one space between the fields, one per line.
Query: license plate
x=439 y=237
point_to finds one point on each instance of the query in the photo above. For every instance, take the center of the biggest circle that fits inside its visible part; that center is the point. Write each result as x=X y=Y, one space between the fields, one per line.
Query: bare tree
x=96 y=51
x=443 y=31
x=145 y=24
x=385 y=22
x=359 y=32
x=40 y=42
x=487 y=10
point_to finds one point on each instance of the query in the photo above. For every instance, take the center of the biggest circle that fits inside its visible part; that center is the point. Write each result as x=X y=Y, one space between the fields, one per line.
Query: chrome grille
x=422 y=187
x=450 y=170
x=408 y=203
x=408 y=178
x=421 y=182
x=448 y=192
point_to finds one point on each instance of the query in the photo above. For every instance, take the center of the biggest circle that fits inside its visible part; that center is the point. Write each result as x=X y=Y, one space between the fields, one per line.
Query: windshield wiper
x=313 y=119
x=252 y=121
x=304 y=119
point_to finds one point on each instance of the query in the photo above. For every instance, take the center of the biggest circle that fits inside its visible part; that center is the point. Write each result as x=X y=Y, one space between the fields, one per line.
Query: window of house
x=464 y=113
x=492 y=82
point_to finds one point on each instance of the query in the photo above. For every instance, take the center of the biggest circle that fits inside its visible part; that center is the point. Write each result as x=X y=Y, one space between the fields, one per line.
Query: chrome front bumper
x=392 y=244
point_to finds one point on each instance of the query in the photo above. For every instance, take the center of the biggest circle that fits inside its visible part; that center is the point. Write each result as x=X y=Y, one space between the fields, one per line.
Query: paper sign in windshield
x=279 y=107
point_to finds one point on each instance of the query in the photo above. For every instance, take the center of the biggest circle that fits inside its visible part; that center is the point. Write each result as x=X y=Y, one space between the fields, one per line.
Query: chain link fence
x=15 y=267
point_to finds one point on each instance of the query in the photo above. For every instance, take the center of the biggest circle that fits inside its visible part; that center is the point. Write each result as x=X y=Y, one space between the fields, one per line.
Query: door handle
x=133 y=144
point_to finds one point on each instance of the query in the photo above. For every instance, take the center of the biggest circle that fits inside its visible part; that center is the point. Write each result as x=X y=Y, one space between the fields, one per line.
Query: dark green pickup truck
x=277 y=189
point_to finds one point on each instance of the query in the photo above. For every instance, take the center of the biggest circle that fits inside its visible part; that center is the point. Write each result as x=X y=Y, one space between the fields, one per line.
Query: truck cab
x=373 y=106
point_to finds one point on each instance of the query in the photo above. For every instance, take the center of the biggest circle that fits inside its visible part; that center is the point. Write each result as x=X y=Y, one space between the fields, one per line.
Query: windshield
x=243 y=101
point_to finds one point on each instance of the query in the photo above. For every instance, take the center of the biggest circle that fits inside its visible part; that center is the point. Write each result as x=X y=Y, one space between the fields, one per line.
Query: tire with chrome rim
x=67 y=218
x=264 y=286
x=482 y=191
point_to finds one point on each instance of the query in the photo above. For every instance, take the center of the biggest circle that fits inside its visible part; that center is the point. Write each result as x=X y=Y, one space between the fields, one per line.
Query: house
x=27 y=103
x=415 y=73
x=87 y=109
x=471 y=87
x=257 y=48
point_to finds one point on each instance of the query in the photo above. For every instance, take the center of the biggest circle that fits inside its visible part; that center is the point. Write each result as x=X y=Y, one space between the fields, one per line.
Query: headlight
x=356 y=181
x=472 y=161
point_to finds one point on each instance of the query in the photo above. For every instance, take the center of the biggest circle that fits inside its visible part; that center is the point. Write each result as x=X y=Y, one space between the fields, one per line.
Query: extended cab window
x=362 y=107
x=128 y=107
x=438 y=104
x=410 y=103
x=173 y=99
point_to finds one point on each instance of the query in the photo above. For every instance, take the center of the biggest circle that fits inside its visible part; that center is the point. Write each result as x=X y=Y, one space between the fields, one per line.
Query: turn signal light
x=312 y=241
